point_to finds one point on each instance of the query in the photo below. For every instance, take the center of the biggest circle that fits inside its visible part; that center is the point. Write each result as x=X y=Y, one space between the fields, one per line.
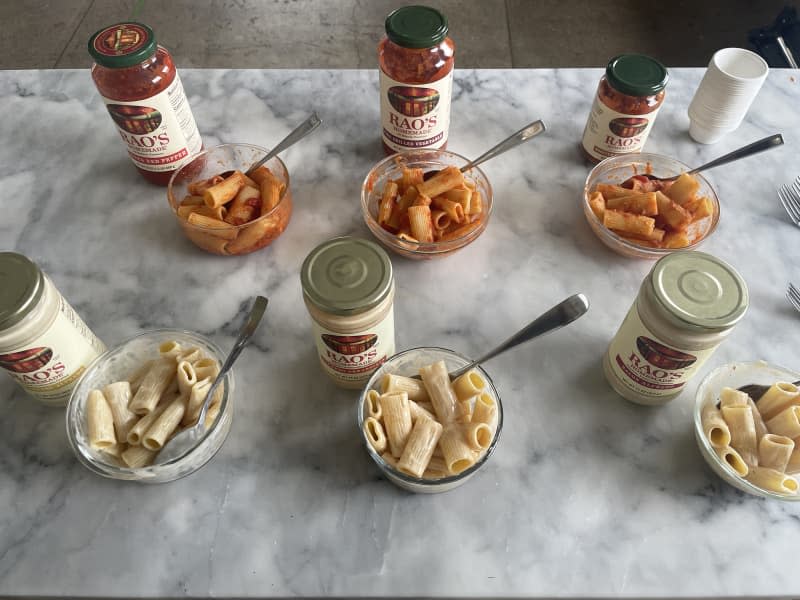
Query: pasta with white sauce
x=758 y=440
x=130 y=421
x=430 y=428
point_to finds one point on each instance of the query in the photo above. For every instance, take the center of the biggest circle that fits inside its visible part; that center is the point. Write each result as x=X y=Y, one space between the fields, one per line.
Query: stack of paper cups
x=726 y=92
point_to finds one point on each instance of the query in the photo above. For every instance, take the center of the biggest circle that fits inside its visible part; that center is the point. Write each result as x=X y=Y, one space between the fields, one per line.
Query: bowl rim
x=428 y=248
x=174 y=202
x=707 y=450
x=390 y=470
x=109 y=469
x=645 y=157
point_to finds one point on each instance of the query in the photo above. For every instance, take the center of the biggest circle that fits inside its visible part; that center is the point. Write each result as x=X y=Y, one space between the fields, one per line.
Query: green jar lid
x=700 y=289
x=346 y=276
x=21 y=288
x=636 y=74
x=416 y=27
x=122 y=45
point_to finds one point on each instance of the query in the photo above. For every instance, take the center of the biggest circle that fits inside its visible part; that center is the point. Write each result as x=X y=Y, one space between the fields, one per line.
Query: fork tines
x=793 y=295
x=790 y=198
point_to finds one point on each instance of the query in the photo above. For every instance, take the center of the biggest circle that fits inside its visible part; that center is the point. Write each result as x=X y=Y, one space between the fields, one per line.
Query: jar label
x=49 y=367
x=415 y=116
x=160 y=131
x=649 y=367
x=609 y=133
x=353 y=357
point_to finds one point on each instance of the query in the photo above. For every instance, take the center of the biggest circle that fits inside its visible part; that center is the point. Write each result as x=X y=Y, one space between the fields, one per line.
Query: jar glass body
x=618 y=123
x=139 y=82
x=417 y=67
x=654 y=354
x=352 y=346
x=49 y=348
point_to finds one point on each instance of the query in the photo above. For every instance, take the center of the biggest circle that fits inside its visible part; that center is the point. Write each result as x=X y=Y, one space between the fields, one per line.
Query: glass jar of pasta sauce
x=144 y=96
x=628 y=99
x=416 y=61
x=686 y=306
x=44 y=344
x=348 y=289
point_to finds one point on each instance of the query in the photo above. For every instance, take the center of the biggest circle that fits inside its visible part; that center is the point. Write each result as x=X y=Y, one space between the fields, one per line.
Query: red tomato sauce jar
x=625 y=108
x=139 y=84
x=416 y=60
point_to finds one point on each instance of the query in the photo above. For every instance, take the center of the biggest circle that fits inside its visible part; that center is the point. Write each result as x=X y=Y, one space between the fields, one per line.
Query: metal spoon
x=301 y=131
x=563 y=313
x=186 y=440
x=528 y=132
x=771 y=141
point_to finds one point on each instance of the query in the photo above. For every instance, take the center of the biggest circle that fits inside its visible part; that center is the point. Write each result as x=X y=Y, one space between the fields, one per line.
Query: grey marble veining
x=586 y=495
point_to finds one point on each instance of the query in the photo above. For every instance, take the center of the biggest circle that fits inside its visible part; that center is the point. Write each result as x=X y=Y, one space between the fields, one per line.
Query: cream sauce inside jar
x=687 y=305
x=44 y=345
x=348 y=289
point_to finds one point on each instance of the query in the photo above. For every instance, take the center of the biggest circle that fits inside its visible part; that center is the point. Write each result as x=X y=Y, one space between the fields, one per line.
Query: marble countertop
x=586 y=495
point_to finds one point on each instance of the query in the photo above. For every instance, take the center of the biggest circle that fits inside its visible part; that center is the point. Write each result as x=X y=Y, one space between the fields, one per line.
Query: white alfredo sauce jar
x=348 y=289
x=44 y=345
x=687 y=305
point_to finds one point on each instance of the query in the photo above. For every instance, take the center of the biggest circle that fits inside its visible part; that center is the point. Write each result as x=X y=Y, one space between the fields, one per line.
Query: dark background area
x=343 y=33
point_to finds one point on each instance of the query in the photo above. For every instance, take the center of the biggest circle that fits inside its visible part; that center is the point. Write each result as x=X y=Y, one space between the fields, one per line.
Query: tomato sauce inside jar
x=140 y=86
x=416 y=60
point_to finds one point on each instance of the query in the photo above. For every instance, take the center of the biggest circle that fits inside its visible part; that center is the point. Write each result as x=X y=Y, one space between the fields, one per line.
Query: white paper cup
x=726 y=92
x=740 y=68
x=707 y=134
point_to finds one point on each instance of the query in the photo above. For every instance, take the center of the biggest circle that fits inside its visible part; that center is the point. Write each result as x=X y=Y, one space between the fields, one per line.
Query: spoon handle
x=247 y=331
x=523 y=135
x=771 y=141
x=561 y=314
x=301 y=131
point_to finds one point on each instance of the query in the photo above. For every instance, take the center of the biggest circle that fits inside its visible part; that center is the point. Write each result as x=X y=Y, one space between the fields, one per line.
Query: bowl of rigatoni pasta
x=135 y=397
x=224 y=211
x=751 y=440
x=431 y=434
x=420 y=205
x=643 y=218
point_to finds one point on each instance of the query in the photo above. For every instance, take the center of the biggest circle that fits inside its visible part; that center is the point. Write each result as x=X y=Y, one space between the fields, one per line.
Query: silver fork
x=793 y=295
x=790 y=198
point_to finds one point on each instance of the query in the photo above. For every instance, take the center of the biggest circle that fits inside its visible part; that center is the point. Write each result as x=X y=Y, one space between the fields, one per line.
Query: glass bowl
x=735 y=375
x=391 y=167
x=239 y=239
x=408 y=363
x=617 y=169
x=115 y=365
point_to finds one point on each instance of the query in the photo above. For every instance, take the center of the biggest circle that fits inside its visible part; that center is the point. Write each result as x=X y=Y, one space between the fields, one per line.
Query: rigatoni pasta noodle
x=772 y=480
x=155 y=383
x=99 y=421
x=397 y=420
x=778 y=397
x=774 y=451
x=418 y=450
x=443 y=397
x=743 y=432
x=715 y=427
x=731 y=457
x=786 y=422
x=118 y=395
x=397 y=383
